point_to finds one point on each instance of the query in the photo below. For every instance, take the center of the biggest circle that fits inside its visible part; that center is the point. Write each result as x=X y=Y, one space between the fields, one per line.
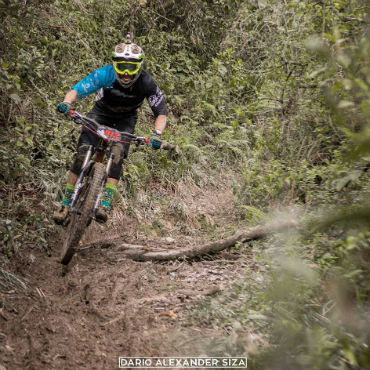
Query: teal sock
x=68 y=195
x=109 y=191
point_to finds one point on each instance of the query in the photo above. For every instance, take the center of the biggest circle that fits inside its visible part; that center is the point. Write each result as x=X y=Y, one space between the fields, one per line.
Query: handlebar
x=110 y=134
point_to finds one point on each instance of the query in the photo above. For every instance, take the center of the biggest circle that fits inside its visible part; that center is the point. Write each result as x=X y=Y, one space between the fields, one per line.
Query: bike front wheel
x=80 y=219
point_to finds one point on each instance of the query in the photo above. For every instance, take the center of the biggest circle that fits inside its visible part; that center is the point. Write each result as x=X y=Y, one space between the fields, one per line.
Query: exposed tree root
x=143 y=253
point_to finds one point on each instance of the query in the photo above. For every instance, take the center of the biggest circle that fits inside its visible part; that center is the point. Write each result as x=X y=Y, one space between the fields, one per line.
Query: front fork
x=85 y=167
x=101 y=192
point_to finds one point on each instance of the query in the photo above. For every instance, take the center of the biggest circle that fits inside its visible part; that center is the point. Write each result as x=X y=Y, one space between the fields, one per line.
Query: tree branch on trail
x=143 y=253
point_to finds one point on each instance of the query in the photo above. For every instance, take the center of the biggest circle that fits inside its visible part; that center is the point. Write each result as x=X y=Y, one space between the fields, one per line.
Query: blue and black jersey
x=114 y=98
x=115 y=106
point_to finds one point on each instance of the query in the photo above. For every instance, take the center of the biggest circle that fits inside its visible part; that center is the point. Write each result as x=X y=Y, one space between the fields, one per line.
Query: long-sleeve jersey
x=112 y=97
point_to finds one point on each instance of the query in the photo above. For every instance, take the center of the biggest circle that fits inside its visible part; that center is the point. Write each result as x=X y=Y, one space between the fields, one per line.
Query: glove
x=155 y=141
x=64 y=108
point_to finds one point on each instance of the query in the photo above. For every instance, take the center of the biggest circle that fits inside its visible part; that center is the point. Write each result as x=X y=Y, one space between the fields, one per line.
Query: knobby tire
x=80 y=219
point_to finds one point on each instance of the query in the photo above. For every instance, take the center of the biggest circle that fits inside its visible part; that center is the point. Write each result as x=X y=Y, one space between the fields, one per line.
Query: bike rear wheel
x=84 y=211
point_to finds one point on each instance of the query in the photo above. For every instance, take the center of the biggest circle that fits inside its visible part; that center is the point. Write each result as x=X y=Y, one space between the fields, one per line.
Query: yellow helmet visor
x=122 y=67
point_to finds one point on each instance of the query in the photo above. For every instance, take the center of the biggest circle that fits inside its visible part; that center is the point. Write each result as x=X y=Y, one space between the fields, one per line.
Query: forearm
x=70 y=97
x=160 y=122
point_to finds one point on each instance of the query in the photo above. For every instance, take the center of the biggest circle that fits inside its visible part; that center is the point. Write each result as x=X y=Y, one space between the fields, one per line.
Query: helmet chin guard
x=128 y=52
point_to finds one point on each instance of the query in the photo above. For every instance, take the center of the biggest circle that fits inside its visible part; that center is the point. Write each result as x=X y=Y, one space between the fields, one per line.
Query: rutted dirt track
x=106 y=306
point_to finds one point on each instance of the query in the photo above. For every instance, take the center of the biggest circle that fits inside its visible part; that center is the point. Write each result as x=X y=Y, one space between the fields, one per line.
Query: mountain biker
x=122 y=87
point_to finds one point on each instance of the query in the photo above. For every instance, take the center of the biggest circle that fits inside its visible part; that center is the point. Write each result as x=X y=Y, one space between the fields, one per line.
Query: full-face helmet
x=127 y=62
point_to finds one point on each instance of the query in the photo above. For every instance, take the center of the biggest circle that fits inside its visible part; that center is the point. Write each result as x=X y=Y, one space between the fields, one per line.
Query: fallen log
x=142 y=253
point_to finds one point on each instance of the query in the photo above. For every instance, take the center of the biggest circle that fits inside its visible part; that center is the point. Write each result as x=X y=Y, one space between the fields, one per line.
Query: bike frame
x=91 y=181
x=107 y=136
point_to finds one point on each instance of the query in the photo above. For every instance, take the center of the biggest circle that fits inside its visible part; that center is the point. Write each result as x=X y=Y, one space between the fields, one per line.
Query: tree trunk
x=141 y=253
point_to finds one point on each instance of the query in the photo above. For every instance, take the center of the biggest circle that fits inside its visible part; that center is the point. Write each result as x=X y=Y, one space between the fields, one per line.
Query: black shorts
x=122 y=122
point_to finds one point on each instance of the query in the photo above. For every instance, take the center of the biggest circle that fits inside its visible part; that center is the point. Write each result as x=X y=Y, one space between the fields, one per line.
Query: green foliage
x=276 y=92
x=306 y=124
x=323 y=313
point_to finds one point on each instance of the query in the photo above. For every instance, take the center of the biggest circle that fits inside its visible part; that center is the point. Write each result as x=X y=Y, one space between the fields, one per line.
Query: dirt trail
x=105 y=307
x=109 y=306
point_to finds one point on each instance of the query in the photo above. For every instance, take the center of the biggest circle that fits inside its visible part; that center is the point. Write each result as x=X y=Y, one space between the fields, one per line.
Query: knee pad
x=120 y=153
x=79 y=158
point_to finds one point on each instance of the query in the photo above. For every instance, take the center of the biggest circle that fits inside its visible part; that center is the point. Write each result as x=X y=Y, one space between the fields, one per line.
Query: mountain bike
x=91 y=182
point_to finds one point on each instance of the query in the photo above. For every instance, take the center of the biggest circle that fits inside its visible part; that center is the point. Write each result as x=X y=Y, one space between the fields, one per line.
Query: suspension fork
x=107 y=169
x=85 y=168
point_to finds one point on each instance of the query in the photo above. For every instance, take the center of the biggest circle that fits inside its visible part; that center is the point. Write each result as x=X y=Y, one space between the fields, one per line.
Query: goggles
x=122 y=67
